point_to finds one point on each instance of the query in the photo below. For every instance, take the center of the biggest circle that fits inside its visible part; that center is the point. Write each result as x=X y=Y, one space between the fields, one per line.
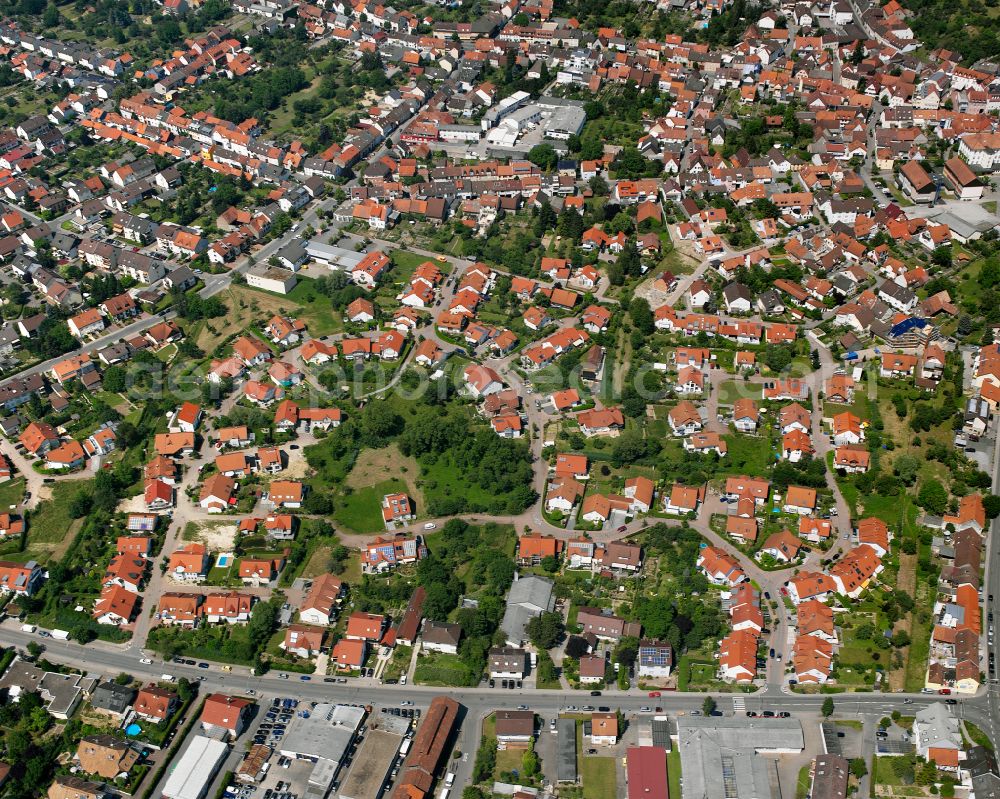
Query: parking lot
x=288 y=777
x=276 y=718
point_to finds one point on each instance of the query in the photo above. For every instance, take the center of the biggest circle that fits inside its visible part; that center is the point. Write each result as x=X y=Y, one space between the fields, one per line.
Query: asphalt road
x=110 y=661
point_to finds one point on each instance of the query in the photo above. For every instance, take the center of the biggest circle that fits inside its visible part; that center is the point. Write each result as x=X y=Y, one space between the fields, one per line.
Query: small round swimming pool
x=133 y=730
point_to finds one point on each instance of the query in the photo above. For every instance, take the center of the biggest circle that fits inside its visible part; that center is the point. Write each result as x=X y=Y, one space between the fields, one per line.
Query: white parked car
x=430 y=526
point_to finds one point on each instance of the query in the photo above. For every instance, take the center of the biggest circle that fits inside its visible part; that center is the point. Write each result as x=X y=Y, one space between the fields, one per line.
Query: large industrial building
x=721 y=757
x=193 y=773
x=323 y=738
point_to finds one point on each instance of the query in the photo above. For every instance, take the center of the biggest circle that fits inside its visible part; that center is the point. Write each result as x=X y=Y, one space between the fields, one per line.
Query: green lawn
x=748 y=455
x=361 y=510
x=883 y=773
x=406 y=262
x=732 y=390
x=978 y=736
x=598 y=777
x=803 y=783
x=438 y=668
x=313 y=307
x=674 y=773
x=508 y=760
x=51 y=528
x=11 y=493
x=51 y=520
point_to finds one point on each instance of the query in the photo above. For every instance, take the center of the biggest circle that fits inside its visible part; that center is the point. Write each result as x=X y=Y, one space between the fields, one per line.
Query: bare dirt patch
x=216 y=536
x=297 y=467
x=375 y=465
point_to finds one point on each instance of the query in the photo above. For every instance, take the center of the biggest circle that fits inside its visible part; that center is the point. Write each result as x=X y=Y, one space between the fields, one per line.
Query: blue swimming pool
x=222 y=561
x=132 y=730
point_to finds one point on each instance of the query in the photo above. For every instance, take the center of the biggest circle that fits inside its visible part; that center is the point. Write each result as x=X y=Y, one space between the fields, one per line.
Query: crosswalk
x=739 y=705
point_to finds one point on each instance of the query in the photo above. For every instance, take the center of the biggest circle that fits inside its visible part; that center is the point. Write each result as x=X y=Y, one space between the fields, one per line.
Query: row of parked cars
x=272 y=729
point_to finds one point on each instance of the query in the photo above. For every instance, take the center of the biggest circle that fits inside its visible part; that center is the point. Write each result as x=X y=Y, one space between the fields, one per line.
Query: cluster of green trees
x=194 y=307
x=480 y=457
x=29 y=745
x=678 y=615
x=52 y=338
x=341 y=290
x=966 y=28
x=258 y=94
x=727 y=28
x=469 y=559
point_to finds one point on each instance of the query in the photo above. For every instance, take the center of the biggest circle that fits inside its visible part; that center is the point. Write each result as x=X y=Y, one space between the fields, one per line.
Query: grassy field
x=732 y=390
x=747 y=455
x=361 y=510
x=303 y=302
x=399 y=664
x=406 y=262
x=438 y=668
x=11 y=492
x=978 y=736
x=882 y=772
x=51 y=519
x=51 y=528
x=598 y=776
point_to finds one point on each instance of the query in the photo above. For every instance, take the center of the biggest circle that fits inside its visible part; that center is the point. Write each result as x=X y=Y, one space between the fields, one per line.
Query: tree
x=827 y=709
x=550 y=563
x=113 y=379
x=529 y=763
x=642 y=315
x=708 y=706
x=545 y=630
x=933 y=497
x=991 y=502
x=858 y=767
x=927 y=774
x=906 y=468
x=379 y=421
x=544 y=156
x=629 y=261
x=576 y=647
x=864 y=632
x=777 y=357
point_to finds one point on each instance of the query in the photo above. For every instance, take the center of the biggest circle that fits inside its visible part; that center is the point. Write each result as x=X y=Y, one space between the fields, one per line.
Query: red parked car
x=654 y=694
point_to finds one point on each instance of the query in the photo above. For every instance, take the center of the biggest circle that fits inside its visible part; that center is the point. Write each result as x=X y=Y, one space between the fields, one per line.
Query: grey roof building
x=566 y=751
x=981 y=764
x=529 y=597
x=720 y=756
x=113 y=698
